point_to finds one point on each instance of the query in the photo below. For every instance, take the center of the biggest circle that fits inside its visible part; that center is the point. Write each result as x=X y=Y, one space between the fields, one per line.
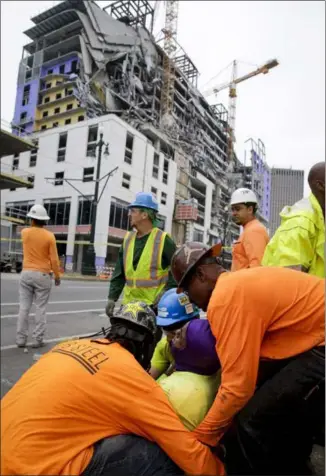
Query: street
x=75 y=308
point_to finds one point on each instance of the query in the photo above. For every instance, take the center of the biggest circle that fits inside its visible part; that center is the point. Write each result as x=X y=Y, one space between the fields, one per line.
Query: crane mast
x=232 y=111
x=169 y=47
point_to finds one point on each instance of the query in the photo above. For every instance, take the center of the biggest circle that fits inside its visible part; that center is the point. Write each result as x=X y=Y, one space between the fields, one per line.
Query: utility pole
x=89 y=260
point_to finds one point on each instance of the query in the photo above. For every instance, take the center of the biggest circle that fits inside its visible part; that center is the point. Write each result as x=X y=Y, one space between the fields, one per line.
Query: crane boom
x=261 y=70
x=264 y=69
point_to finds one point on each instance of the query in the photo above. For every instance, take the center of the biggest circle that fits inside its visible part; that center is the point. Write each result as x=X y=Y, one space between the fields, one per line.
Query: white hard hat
x=38 y=212
x=243 y=195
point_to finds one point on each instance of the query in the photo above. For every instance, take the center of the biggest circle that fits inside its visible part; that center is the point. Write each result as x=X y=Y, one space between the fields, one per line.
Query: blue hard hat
x=173 y=308
x=144 y=200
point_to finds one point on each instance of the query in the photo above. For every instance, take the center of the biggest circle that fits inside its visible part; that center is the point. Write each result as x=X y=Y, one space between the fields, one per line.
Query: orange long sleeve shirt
x=80 y=392
x=249 y=250
x=40 y=251
x=271 y=313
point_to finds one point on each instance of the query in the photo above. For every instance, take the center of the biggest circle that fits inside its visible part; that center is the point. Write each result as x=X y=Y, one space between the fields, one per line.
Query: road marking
x=55 y=313
x=57 y=302
x=48 y=341
x=63 y=286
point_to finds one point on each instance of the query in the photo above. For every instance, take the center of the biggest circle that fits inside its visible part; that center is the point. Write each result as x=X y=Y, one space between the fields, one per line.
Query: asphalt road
x=75 y=308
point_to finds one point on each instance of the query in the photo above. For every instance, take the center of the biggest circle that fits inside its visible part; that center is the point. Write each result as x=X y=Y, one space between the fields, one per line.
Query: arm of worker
x=156 y=421
x=54 y=258
x=161 y=360
x=168 y=251
x=254 y=246
x=291 y=246
x=238 y=342
x=118 y=279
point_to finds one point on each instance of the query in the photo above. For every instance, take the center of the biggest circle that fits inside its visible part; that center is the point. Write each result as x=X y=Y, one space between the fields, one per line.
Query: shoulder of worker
x=199 y=325
x=169 y=245
x=34 y=232
x=255 y=227
x=307 y=209
x=231 y=287
x=110 y=358
x=199 y=335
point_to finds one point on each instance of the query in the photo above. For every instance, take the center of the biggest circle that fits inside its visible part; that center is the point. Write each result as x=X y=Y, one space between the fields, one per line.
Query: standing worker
x=248 y=251
x=300 y=239
x=40 y=259
x=142 y=269
x=269 y=326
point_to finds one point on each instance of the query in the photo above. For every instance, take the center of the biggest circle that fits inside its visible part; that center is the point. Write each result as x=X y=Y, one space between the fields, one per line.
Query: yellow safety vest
x=149 y=279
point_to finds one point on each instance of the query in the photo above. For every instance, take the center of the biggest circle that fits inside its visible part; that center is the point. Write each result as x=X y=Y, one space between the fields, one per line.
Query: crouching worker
x=89 y=407
x=189 y=343
x=269 y=325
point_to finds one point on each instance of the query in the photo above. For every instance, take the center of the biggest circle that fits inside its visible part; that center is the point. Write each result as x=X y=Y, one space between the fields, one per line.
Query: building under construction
x=84 y=62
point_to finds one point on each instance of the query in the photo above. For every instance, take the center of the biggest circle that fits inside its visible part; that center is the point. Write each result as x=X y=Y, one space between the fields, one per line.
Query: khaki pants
x=34 y=286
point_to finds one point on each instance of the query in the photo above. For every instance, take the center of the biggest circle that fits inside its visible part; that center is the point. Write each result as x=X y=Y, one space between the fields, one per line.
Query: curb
x=84 y=278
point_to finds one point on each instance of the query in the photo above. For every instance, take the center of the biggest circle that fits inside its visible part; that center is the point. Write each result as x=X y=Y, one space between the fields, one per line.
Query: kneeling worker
x=189 y=342
x=100 y=412
x=269 y=325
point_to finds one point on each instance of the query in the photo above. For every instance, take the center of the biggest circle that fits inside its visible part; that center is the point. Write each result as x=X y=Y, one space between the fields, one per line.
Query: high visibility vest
x=149 y=279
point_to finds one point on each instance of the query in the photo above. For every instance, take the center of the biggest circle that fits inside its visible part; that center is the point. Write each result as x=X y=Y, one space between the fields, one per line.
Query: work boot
x=37 y=343
x=21 y=344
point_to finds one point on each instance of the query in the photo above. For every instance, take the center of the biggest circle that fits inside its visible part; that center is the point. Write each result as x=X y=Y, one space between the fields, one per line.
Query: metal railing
x=10 y=171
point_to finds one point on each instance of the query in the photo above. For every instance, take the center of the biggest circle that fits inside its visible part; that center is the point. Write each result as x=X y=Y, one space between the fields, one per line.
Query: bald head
x=316 y=180
x=317 y=173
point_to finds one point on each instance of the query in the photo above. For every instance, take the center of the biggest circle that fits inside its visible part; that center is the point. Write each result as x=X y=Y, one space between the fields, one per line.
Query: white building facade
x=64 y=170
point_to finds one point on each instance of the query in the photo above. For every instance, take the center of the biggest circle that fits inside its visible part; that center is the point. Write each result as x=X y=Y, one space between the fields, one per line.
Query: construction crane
x=264 y=69
x=169 y=47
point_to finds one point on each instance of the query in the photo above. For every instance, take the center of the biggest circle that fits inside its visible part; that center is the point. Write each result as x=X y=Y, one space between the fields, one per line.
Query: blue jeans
x=129 y=455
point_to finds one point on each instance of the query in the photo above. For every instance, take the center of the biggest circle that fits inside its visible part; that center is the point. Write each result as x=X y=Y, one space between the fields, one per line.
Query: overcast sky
x=285 y=108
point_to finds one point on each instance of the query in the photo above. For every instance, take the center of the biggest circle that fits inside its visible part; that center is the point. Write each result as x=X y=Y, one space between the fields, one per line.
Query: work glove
x=110 y=308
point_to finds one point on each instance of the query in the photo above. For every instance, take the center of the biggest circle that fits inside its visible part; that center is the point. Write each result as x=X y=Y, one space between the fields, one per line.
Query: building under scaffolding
x=84 y=62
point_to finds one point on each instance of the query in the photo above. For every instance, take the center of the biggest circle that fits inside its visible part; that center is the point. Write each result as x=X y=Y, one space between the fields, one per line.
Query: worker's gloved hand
x=110 y=308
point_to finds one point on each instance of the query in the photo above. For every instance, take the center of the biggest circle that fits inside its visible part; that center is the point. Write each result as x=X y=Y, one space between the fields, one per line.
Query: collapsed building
x=107 y=62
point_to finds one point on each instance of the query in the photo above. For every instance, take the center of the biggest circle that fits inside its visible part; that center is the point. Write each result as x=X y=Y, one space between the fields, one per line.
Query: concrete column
x=71 y=232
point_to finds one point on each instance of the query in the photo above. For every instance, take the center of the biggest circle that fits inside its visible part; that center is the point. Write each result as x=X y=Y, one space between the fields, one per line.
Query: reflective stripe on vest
x=154 y=281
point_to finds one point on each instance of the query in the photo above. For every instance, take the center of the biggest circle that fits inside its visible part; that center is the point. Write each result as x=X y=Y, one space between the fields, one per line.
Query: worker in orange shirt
x=269 y=326
x=249 y=250
x=89 y=407
x=40 y=259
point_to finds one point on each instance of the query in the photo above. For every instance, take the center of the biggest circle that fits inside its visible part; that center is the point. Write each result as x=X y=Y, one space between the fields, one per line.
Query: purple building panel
x=27 y=94
x=26 y=102
x=62 y=67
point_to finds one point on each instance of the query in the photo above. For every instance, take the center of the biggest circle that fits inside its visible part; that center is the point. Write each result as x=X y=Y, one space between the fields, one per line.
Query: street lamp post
x=226 y=221
x=89 y=260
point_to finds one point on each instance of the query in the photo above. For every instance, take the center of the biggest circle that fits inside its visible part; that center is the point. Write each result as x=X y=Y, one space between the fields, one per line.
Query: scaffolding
x=133 y=13
x=187 y=67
